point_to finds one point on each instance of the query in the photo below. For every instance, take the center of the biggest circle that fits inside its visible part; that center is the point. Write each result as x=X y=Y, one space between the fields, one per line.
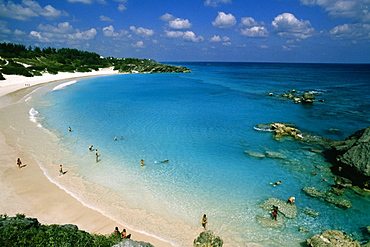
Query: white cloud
x=19 y=32
x=351 y=31
x=27 y=10
x=4 y=28
x=255 y=32
x=187 y=36
x=179 y=23
x=109 y=32
x=358 y=10
x=215 y=3
x=80 y=1
x=139 y=44
x=173 y=34
x=217 y=38
x=224 y=21
x=121 y=7
x=190 y=36
x=167 y=17
x=250 y=22
x=287 y=25
x=143 y=32
x=62 y=33
x=105 y=18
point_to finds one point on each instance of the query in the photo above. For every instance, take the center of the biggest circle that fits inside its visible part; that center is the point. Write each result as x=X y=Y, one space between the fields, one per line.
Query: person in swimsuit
x=275 y=211
x=19 y=163
x=291 y=200
x=204 y=221
x=124 y=234
x=142 y=162
x=61 y=170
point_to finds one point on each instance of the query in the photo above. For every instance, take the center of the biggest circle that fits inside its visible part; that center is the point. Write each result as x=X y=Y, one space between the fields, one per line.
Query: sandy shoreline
x=28 y=190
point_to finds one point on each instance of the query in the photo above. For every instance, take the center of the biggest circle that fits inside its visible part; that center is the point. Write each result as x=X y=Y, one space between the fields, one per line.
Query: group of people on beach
x=123 y=233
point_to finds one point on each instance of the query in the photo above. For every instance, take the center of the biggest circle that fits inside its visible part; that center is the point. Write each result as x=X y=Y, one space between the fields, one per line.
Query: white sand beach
x=28 y=191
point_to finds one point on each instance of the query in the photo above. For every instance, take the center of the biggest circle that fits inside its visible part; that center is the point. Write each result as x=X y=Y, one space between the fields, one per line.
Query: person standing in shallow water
x=61 y=170
x=275 y=211
x=204 y=221
x=142 y=162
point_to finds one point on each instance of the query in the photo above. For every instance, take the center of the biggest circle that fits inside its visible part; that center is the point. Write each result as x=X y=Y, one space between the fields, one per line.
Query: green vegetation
x=17 y=59
x=22 y=231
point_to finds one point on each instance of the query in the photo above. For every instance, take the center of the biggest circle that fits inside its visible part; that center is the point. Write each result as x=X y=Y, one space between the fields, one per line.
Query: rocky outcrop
x=332 y=238
x=308 y=97
x=328 y=197
x=283 y=130
x=208 y=239
x=286 y=209
x=131 y=243
x=351 y=157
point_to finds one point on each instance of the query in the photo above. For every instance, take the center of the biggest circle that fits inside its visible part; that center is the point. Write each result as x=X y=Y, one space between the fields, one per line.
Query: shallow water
x=202 y=123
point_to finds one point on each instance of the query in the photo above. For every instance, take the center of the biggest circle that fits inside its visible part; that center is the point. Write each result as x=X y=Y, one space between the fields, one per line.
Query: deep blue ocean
x=202 y=122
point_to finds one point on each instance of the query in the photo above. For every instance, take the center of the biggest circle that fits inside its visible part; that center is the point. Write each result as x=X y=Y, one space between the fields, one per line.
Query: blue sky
x=329 y=31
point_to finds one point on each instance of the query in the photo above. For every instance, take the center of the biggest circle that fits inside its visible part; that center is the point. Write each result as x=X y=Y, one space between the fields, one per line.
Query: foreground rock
x=332 y=238
x=131 y=243
x=351 y=157
x=208 y=239
x=286 y=209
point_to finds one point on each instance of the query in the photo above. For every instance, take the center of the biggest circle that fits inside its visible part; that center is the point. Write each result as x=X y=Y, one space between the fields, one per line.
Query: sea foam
x=63 y=85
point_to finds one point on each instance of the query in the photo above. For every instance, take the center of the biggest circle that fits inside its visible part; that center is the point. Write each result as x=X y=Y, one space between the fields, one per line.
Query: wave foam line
x=63 y=85
x=100 y=211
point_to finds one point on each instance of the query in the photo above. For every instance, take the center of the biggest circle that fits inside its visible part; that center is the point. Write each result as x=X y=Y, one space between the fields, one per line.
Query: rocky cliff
x=351 y=157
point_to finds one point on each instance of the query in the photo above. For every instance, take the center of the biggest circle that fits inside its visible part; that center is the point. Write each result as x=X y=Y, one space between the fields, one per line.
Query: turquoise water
x=202 y=123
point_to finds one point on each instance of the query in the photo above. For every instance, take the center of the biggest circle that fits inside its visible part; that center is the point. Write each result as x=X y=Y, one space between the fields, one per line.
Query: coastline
x=27 y=190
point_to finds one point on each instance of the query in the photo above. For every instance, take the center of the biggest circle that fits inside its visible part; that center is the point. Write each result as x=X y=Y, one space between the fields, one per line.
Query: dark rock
x=352 y=157
x=308 y=97
x=332 y=238
x=208 y=239
x=342 y=182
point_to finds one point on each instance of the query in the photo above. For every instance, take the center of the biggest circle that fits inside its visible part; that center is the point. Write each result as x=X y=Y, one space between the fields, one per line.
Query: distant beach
x=27 y=190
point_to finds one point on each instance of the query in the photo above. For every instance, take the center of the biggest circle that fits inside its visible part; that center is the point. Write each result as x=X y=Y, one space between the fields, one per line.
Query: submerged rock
x=255 y=154
x=332 y=238
x=311 y=212
x=275 y=155
x=339 y=202
x=208 y=239
x=288 y=210
x=313 y=192
x=269 y=222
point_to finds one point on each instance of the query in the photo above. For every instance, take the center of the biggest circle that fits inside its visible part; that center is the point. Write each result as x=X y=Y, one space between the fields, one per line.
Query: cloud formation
x=28 y=9
x=253 y=28
x=187 y=36
x=215 y=3
x=287 y=25
x=179 y=23
x=143 y=32
x=224 y=21
x=62 y=33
